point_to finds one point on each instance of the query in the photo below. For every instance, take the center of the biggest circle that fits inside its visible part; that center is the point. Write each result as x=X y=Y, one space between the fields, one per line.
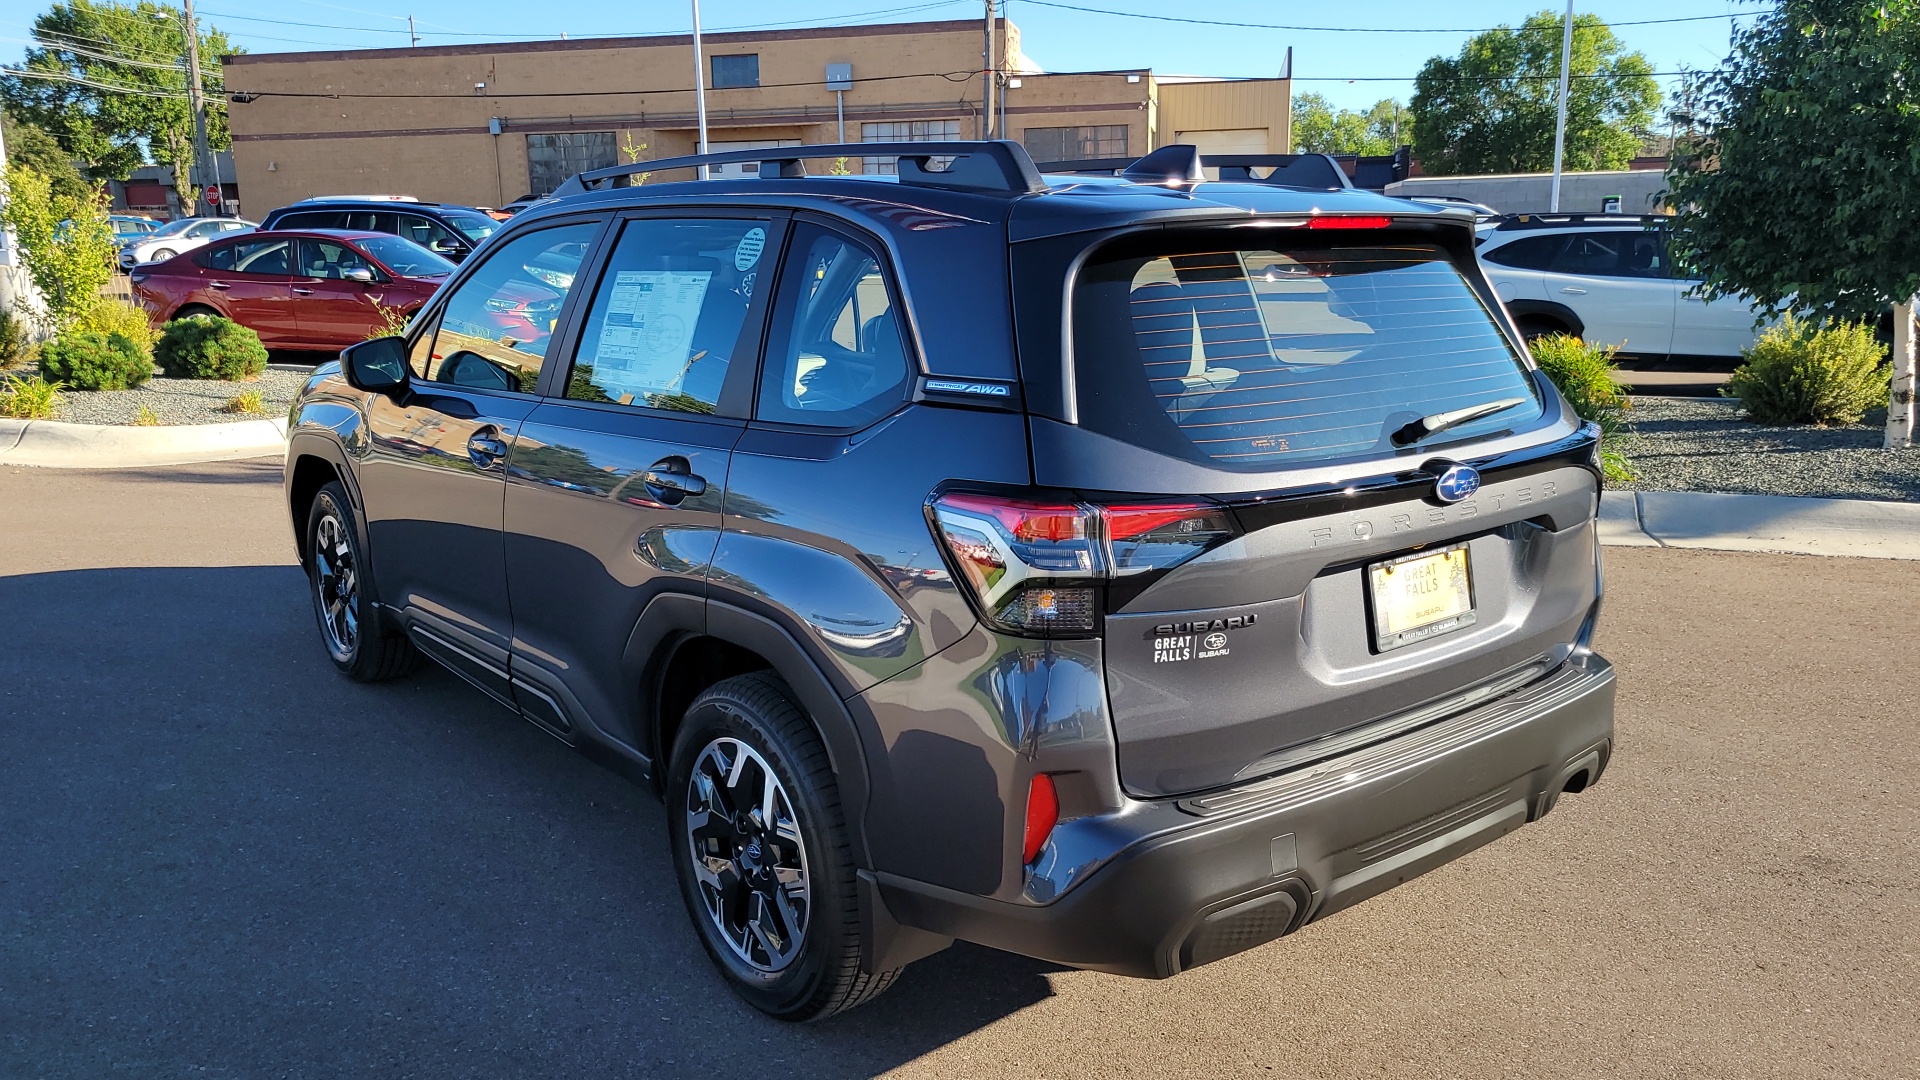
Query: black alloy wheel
x=357 y=641
x=762 y=854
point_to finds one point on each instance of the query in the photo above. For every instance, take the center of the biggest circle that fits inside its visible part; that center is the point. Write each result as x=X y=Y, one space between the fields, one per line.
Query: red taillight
x=1043 y=813
x=1350 y=221
x=1037 y=567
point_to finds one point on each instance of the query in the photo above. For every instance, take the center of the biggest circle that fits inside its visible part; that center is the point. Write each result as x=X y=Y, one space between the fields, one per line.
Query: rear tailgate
x=1293 y=377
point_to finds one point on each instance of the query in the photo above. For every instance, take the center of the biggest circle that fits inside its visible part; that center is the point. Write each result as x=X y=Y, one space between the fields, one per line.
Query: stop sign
x=213 y=196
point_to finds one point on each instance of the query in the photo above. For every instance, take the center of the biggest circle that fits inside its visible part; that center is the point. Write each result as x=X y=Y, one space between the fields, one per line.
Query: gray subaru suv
x=1124 y=570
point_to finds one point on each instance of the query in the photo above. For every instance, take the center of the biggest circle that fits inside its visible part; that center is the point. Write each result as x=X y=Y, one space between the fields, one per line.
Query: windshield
x=175 y=227
x=1259 y=358
x=476 y=227
x=404 y=257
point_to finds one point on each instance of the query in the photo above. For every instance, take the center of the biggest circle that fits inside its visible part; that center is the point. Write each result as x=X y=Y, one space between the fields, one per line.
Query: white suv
x=1608 y=278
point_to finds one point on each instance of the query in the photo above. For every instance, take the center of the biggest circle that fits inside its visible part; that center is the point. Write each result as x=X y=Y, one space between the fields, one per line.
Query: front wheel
x=762 y=853
x=350 y=626
x=163 y=255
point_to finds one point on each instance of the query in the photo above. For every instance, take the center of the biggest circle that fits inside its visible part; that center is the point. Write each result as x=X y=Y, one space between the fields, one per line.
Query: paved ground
x=219 y=860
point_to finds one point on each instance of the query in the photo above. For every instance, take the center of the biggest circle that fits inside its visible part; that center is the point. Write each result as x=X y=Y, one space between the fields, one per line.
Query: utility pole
x=699 y=85
x=986 y=80
x=197 y=101
x=1560 y=123
x=415 y=34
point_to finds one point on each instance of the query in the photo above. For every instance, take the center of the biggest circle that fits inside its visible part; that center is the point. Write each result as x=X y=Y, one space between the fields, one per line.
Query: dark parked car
x=298 y=290
x=442 y=228
x=1123 y=571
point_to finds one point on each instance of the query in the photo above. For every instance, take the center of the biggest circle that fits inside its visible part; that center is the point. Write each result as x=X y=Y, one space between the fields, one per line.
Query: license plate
x=1416 y=597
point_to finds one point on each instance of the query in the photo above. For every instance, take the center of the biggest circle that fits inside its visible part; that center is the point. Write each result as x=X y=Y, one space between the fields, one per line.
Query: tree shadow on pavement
x=218 y=857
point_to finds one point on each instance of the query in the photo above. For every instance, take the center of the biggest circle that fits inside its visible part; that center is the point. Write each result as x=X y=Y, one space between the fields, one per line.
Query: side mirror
x=378 y=366
x=444 y=247
x=361 y=274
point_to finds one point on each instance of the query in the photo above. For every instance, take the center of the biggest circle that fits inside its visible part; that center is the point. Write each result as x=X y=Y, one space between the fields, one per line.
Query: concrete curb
x=56 y=445
x=1771 y=523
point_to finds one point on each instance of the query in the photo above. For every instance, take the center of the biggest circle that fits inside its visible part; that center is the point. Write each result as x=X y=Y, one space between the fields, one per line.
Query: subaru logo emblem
x=1456 y=483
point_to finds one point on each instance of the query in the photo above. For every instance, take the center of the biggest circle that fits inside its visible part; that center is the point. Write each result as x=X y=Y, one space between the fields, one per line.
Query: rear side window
x=1260 y=358
x=274 y=257
x=1527 y=253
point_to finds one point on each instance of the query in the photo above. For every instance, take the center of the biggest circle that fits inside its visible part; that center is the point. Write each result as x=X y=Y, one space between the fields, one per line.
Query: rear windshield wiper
x=1441 y=421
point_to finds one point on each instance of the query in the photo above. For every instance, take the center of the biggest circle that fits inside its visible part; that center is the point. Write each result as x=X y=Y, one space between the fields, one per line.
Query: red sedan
x=307 y=289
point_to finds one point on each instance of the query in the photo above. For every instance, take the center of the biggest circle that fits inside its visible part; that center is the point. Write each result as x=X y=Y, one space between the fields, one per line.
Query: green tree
x=1319 y=128
x=33 y=147
x=65 y=241
x=109 y=82
x=1491 y=109
x=1807 y=195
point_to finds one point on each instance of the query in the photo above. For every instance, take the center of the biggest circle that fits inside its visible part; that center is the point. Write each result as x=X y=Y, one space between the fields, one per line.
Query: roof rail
x=1313 y=172
x=359 y=198
x=1544 y=221
x=996 y=165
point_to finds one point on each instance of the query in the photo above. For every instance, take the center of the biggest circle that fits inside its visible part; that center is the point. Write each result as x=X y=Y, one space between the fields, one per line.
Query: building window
x=735 y=71
x=1077 y=143
x=905 y=131
x=551 y=159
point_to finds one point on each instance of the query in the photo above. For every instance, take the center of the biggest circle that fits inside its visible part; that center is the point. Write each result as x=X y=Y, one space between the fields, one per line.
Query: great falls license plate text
x=1416 y=597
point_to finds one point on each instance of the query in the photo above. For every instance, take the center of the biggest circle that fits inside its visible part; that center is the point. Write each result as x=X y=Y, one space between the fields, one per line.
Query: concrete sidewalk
x=57 y=445
x=1775 y=523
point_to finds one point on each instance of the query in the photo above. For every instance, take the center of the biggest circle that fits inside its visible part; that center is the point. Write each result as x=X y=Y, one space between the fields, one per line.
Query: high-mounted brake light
x=1350 y=221
x=1043 y=813
x=1038 y=567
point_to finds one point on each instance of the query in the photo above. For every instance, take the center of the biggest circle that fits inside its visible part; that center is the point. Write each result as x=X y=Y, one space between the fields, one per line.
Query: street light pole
x=197 y=101
x=699 y=85
x=986 y=79
x=1560 y=123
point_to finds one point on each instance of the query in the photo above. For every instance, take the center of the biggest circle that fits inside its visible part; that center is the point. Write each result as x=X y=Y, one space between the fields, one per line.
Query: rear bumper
x=1184 y=882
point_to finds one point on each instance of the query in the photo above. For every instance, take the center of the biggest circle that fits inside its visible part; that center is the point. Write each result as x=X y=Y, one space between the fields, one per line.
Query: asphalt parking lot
x=218 y=859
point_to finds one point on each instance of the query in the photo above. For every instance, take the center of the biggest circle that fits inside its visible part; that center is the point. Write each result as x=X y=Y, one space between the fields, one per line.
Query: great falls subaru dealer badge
x=1201 y=639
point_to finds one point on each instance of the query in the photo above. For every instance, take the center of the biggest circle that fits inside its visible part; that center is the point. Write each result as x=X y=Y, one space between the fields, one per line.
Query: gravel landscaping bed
x=178 y=401
x=1705 y=444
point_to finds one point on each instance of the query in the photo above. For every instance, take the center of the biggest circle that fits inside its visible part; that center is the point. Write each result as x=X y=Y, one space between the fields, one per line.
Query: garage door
x=1225 y=141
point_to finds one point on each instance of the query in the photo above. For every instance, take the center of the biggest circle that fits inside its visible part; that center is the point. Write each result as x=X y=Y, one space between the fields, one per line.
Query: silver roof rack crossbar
x=995 y=166
x=1312 y=172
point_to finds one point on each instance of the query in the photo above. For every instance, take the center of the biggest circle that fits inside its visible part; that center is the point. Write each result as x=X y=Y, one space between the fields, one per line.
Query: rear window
x=1261 y=358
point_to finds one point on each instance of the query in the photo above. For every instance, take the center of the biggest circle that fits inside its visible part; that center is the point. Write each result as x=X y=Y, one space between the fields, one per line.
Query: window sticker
x=648 y=330
x=747 y=255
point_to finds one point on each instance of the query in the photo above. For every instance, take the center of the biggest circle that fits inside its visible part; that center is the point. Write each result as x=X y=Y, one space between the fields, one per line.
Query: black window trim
x=429 y=316
x=743 y=372
x=909 y=391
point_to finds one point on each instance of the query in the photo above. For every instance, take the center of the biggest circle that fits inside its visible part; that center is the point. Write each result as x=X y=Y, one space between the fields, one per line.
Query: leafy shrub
x=16 y=340
x=146 y=418
x=66 y=242
x=108 y=316
x=86 y=360
x=210 y=347
x=1800 y=372
x=1584 y=374
x=29 y=399
x=247 y=403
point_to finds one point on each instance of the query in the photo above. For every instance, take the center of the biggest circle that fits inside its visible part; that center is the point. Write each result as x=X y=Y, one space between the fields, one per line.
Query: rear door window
x=1259 y=358
x=837 y=357
x=1527 y=253
x=664 y=328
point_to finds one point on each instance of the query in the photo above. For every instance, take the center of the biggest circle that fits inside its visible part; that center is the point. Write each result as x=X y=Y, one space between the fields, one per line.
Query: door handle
x=302 y=292
x=1572 y=290
x=218 y=285
x=484 y=447
x=671 y=479
x=1696 y=299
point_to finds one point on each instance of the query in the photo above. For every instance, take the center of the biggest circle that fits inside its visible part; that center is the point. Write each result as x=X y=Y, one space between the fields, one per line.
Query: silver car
x=177 y=236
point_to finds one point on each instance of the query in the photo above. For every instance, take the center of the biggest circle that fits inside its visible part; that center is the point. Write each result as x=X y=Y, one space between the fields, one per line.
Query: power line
x=810 y=21
x=1355 y=29
x=248 y=95
x=56 y=76
x=60 y=46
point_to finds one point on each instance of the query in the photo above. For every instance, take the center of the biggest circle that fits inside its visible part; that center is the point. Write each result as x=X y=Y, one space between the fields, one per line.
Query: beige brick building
x=485 y=124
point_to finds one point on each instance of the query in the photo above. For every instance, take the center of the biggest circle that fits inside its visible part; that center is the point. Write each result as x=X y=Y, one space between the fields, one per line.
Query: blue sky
x=1057 y=38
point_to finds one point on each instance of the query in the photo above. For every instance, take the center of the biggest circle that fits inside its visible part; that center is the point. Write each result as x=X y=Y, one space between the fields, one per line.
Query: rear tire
x=192 y=311
x=356 y=637
x=772 y=895
x=1539 y=326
